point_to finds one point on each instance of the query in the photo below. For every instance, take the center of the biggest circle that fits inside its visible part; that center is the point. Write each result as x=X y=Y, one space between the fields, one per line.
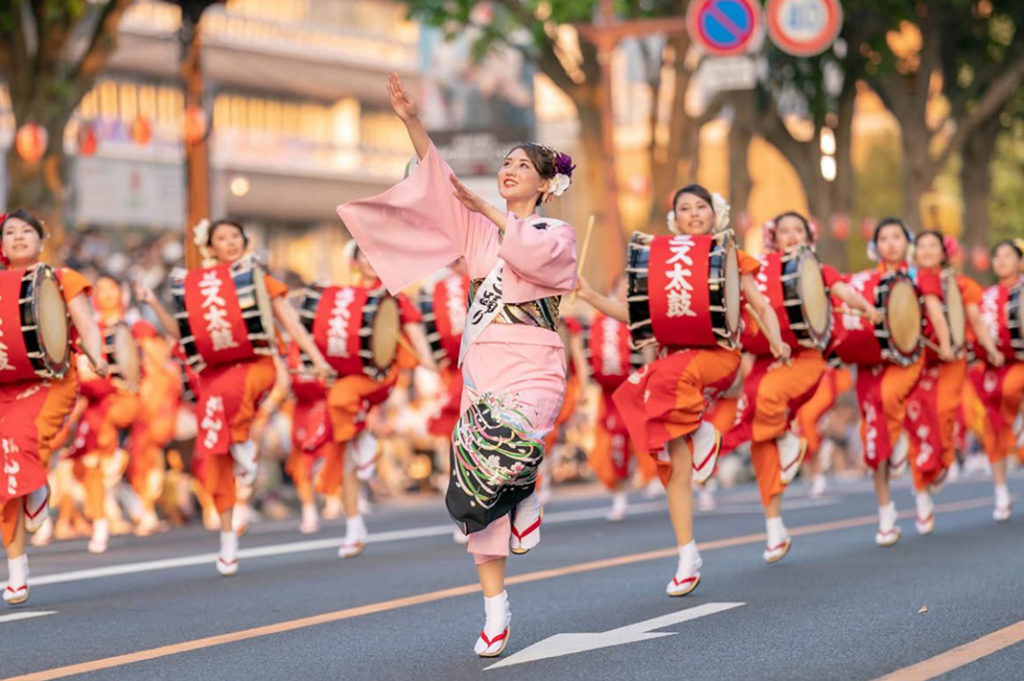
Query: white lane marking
x=14 y=616
x=570 y=644
x=311 y=545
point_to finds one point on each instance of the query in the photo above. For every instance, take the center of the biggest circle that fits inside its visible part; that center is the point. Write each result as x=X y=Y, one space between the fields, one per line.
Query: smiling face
x=694 y=216
x=21 y=243
x=519 y=180
x=1006 y=262
x=789 y=233
x=892 y=245
x=928 y=252
x=107 y=293
x=227 y=243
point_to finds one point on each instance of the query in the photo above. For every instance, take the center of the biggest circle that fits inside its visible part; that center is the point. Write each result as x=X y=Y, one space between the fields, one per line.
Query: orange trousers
x=241 y=387
x=1000 y=391
x=667 y=398
x=931 y=421
x=610 y=456
x=882 y=393
x=116 y=412
x=834 y=382
x=31 y=414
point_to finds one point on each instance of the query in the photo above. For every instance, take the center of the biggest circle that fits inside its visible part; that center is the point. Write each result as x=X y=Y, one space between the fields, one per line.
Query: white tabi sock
x=497 y=614
x=17 y=571
x=689 y=559
x=228 y=545
x=775 y=531
x=887 y=516
x=355 y=528
x=1002 y=496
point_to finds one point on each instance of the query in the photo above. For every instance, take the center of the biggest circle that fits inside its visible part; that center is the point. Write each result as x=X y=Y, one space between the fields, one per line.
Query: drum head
x=733 y=299
x=127 y=355
x=813 y=294
x=53 y=320
x=903 y=316
x=955 y=314
x=386 y=329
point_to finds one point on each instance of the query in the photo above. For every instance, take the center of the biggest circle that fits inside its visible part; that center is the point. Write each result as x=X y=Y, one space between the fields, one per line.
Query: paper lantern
x=196 y=122
x=867 y=228
x=88 y=140
x=142 y=131
x=30 y=142
x=841 y=226
x=979 y=258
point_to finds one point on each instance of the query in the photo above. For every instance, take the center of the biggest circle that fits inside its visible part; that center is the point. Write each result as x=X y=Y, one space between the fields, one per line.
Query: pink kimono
x=418 y=227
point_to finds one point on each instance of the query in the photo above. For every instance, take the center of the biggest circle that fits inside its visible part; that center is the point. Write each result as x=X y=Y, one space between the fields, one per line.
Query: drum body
x=683 y=291
x=1015 y=320
x=608 y=351
x=956 y=313
x=444 y=316
x=356 y=329
x=897 y=338
x=794 y=286
x=123 y=354
x=224 y=313
x=34 y=325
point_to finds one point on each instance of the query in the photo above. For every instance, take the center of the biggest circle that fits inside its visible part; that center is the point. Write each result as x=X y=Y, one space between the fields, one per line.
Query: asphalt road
x=837 y=607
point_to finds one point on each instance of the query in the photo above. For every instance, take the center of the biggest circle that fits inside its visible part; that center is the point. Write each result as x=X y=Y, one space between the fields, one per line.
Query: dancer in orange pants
x=33 y=410
x=229 y=394
x=774 y=391
x=664 y=403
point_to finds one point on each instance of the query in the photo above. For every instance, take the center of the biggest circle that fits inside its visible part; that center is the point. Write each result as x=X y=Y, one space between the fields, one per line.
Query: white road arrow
x=13 y=617
x=567 y=644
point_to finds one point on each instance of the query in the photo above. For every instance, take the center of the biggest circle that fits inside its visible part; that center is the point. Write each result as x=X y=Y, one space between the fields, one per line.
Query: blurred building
x=300 y=122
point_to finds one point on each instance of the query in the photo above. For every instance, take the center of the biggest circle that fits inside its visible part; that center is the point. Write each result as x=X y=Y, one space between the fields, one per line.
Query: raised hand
x=470 y=200
x=404 y=107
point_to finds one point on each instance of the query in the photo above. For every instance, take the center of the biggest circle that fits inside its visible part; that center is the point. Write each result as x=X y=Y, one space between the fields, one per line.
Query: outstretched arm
x=614 y=308
x=936 y=315
x=408 y=112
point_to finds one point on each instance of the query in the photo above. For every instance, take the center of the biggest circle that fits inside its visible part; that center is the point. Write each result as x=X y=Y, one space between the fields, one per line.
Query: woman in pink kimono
x=513 y=362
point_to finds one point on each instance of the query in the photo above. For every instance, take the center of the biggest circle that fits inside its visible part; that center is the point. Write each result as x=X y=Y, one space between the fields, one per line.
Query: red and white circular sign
x=803 y=28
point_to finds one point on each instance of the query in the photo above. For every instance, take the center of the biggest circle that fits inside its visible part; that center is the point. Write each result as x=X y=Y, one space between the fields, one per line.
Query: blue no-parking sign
x=724 y=27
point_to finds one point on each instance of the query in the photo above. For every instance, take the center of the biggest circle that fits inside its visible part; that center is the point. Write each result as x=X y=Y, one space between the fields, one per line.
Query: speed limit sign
x=803 y=28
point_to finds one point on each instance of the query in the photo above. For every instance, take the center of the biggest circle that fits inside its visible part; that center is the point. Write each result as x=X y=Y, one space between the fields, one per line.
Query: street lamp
x=197 y=153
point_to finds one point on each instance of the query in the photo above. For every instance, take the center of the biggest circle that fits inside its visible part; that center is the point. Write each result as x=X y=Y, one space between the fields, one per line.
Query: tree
x=576 y=72
x=974 y=52
x=822 y=90
x=51 y=52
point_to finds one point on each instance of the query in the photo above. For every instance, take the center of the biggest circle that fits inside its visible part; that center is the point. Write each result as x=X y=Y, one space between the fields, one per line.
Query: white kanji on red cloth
x=11 y=467
x=611 y=355
x=679 y=288
x=217 y=324
x=213 y=421
x=858 y=282
x=990 y=311
x=337 y=324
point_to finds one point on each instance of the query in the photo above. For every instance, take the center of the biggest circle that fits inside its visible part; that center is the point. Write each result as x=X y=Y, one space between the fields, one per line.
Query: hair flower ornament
x=563 y=173
x=722 y=210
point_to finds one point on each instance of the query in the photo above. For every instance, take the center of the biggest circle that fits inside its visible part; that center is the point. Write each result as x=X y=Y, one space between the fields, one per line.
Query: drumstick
x=583 y=254
x=761 y=325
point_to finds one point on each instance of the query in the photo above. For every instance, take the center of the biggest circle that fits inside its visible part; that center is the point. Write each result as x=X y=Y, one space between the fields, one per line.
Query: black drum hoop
x=796 y=309
x=882 y=332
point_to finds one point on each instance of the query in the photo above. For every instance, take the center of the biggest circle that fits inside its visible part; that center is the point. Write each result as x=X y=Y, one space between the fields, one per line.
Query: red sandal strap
x=491 y=641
